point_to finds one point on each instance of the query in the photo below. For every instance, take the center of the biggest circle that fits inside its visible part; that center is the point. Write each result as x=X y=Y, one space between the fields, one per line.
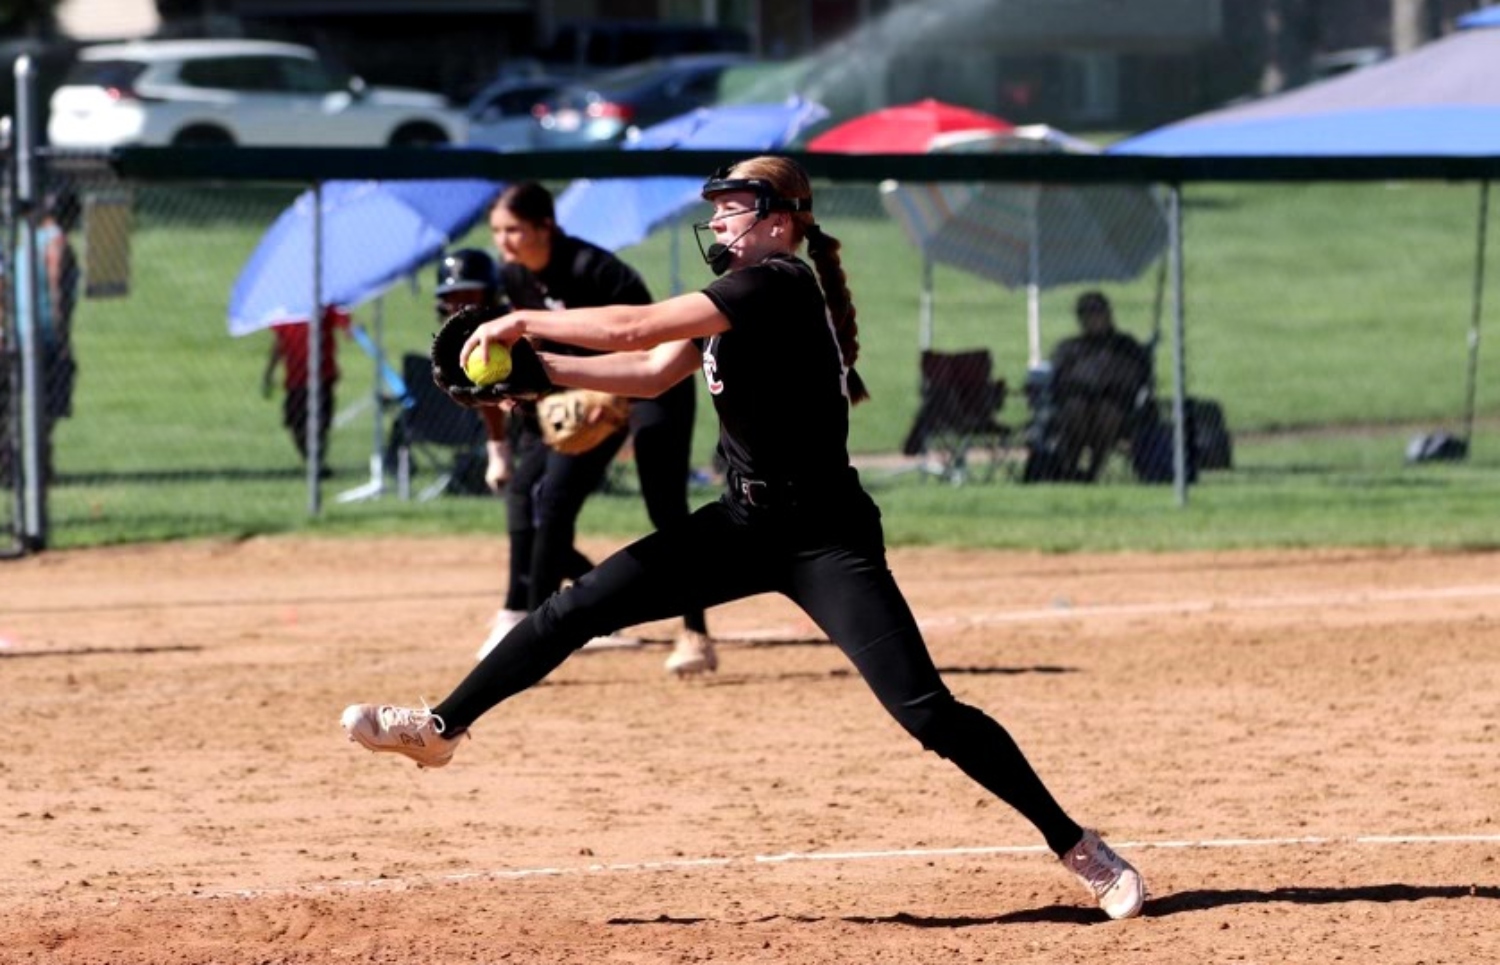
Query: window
x=251 y=74
x=118 y=74
x=300 y=76
x=1093 y=85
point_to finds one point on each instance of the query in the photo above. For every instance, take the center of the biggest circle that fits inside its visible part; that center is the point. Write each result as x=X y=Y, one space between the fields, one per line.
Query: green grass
x=1330 y=320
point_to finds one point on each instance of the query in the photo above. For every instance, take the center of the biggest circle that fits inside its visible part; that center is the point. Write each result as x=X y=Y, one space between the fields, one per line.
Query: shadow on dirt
x=1180 y=903
x=1202 y=900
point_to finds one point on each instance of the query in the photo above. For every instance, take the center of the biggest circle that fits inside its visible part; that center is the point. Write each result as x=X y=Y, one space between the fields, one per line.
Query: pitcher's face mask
x=717 y=255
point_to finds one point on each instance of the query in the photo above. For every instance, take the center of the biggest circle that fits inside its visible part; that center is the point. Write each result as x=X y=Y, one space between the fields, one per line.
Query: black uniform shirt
x=777 y=377
x=578 y=275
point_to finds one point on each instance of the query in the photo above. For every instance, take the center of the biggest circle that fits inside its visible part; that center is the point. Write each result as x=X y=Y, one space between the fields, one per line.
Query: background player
x=545 y=268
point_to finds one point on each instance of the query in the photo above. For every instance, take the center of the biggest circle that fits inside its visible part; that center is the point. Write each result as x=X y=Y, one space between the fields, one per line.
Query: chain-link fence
x=1330 y=333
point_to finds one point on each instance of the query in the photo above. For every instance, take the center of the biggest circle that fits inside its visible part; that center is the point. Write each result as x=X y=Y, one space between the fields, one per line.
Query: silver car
x=236 y=92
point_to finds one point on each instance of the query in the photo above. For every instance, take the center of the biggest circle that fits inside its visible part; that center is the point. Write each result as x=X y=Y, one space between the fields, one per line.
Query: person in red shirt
x=290 y=349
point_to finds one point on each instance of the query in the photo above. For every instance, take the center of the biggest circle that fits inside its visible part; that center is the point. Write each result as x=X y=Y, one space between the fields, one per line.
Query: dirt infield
x=1299 y=750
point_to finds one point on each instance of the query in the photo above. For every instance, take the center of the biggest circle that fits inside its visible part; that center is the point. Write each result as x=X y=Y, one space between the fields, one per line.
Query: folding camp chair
x=960 y=401
x=432 y=429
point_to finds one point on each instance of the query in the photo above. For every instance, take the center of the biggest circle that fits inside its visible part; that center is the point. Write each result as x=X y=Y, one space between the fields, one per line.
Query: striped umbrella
x=1022 y=235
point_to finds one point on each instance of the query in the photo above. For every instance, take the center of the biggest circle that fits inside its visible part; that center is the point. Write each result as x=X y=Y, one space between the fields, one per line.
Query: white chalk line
x=1064 y=610
x=687 y=864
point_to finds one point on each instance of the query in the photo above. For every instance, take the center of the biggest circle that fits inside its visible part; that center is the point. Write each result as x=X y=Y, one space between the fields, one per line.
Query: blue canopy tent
x=616 y=213
x=1442 y=99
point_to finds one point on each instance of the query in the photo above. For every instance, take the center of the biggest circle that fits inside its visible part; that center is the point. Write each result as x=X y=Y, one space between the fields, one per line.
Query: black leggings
x=542 y=503
x=294 y=417
x=831 y=563
x=662 y=436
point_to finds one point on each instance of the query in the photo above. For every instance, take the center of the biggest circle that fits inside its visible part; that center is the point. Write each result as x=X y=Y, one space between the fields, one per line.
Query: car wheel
x=418 y=135
x=203 y=135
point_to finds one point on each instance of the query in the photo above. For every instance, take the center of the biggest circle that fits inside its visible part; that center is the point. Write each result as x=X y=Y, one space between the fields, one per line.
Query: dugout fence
x=1322 y=321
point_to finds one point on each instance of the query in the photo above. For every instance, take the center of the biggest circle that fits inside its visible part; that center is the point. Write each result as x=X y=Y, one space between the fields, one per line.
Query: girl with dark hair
x=544 y=268
x=776 y=344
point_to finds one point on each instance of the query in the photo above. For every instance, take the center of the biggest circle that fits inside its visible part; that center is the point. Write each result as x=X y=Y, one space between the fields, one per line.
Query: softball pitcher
x=776 y=345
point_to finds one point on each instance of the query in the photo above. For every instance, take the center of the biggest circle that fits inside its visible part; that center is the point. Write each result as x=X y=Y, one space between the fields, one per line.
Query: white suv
x=228 y=92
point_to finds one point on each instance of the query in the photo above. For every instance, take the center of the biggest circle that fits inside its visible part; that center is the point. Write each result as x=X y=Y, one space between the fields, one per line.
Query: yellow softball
x=488 y=373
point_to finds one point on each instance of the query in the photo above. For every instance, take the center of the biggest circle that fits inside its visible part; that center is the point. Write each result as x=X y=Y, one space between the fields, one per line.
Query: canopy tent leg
x=924 y=306
x=1033 y=293
x=315 y=361
x=376 y=486
x=1476 y=315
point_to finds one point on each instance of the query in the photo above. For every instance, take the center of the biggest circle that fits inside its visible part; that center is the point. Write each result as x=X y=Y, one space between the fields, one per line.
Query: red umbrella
x=904 y=129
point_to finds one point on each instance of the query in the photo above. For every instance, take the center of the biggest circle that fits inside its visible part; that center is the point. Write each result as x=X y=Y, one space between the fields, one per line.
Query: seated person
x=1097 y=379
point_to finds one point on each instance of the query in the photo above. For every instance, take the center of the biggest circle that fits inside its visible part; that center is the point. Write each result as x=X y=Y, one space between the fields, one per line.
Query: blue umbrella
x=618 y=212
x=373 y=234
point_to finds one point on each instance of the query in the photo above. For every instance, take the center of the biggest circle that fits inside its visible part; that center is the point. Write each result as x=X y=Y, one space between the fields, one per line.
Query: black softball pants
x=830 y=561
x=294 y=417
x=662 y=436
x=542 y=503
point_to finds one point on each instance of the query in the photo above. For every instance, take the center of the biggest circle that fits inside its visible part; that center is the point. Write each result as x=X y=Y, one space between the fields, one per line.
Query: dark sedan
x=601 y=111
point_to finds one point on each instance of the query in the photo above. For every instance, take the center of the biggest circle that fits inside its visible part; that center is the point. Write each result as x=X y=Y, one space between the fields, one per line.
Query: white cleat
x=417 y=733
x=693 y=653
x=1113 y=881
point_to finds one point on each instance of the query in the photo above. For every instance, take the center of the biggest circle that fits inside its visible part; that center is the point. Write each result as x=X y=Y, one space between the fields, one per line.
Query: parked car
x=602 y=110
x=228 y=92
x=500 y=115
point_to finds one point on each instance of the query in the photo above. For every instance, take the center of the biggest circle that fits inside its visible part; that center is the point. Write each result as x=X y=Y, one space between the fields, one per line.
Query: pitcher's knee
x=940 y=723
x=564 y=615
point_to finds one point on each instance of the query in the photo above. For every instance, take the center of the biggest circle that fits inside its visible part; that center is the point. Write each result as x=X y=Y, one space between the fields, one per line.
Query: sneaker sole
x=691 y=667
x=363 y=741
x=1131 y=911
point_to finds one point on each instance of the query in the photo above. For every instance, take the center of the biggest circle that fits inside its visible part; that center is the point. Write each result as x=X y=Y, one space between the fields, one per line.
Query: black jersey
x=578 y=275
x=777 y=376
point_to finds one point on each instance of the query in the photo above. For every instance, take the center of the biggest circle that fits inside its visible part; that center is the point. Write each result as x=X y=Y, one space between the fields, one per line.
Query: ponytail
x=823 y=249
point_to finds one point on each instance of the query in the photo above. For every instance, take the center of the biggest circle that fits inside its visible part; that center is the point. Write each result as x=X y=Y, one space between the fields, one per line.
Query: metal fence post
x=1179 y=355
x=28 y=327
x=314 y=411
